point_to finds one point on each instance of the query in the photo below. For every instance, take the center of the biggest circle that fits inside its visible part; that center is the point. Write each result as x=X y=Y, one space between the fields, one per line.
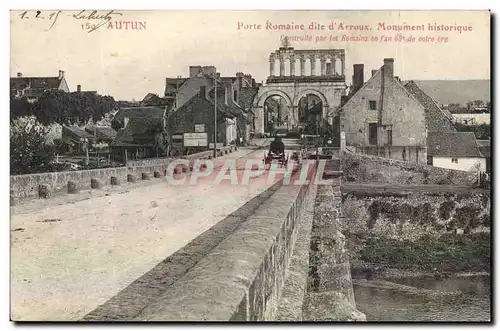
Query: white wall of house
x=231 y=132
x=472 y=119
x=462 y=163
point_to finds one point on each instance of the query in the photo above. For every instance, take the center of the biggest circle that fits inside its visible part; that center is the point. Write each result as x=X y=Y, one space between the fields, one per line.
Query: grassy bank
x=447 y=253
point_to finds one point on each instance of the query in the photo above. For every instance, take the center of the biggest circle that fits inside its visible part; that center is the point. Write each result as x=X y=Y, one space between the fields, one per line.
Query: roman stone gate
x=308 y=82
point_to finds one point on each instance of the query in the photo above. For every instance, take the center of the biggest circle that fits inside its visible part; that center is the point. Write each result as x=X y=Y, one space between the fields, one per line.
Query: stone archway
x=258 y=106
x=263 y=97
x=305 y=92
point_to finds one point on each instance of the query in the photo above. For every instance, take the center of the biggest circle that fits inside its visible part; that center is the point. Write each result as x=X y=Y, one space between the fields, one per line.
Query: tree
x=29 y=152
x=454 y=108
x=72 y=108
x=482 y=131
x=20 y=107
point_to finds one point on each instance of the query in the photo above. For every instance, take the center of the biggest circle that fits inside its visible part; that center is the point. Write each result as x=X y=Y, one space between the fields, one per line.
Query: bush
x=448 y=253
x=29 y=152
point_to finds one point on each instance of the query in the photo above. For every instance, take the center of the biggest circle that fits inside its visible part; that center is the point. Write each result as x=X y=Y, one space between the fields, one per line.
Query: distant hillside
x=456 y=91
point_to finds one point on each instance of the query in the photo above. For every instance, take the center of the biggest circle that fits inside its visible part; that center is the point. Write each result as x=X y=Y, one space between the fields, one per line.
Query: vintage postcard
x=298 y=165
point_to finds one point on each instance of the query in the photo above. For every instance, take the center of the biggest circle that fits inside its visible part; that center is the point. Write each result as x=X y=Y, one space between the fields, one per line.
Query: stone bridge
x=142 y=250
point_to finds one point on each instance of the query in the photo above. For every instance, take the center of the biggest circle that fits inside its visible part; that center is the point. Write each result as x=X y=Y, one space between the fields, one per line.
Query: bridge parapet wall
x=44 y=185
x=241 y=278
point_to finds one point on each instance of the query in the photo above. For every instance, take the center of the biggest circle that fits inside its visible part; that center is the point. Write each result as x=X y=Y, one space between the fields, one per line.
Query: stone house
x=180 y=90
x=199 y=111
x=455 y=150
x=383 y=118
x=245 y=101
x=34 y=87
x=389 y=118
x=141 y=133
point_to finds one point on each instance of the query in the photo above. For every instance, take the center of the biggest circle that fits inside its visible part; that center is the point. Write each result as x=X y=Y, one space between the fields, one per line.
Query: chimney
x=78 y=88
x=374 y=71
x=19 y=74
x=61 y=74
x=203 y=91
x=358 y=77
x=389 y=68
x=195 y=70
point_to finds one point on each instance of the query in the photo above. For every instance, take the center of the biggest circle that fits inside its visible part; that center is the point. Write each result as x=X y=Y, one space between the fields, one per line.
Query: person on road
x=277 y=146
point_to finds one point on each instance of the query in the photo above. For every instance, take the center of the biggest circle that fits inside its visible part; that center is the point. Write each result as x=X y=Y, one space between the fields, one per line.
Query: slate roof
x=456 y=91
x=130 y=112
x=452 y=144
x=77 y=132
x=20 y=83
x=246 y=97
x=437 y=119
x=102 y=131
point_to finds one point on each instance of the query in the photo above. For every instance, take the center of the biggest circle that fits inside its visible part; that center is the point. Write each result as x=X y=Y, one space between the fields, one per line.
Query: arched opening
x=307 y=67
x=298 y=68
x=310 y=109
x=338 y=67
x=329 y=67
x=276 y=67
x=276 y=114
x=317 y=67
x=288 y=71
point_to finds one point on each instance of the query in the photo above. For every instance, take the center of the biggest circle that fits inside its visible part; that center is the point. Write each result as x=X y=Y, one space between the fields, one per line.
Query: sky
x=128 y=64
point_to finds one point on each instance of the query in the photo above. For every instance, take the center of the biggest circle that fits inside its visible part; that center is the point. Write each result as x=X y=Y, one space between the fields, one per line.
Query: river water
x=451 y=299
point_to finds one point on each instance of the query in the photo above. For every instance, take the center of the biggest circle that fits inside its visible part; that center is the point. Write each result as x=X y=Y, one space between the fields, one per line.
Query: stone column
x=271 y=65
x=282 y=66
x=313 y=66
x=323 y=67
x=294 y=121
x=302 y=66
x=342 y=60
x=292 y=66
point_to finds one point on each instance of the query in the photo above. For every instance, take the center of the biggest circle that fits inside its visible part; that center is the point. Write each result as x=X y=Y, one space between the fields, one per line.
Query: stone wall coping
x=218 y=286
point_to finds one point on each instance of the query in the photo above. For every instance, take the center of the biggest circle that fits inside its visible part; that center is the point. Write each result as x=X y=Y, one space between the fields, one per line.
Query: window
x=235 y=96
x=372 y=133
x=429 y=160
x=373 y=105
x=454 y=160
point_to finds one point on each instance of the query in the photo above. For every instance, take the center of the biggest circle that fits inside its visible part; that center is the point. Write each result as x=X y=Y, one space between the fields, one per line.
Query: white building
x=455 y=150
x=472 y=119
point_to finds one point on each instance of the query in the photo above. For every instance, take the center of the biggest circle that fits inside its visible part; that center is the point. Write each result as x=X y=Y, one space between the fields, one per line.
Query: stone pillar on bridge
x=282 y=66
x=313 y=66
x=302 y=66
x=271 y=65
x=292 y=66
x=323 y=67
